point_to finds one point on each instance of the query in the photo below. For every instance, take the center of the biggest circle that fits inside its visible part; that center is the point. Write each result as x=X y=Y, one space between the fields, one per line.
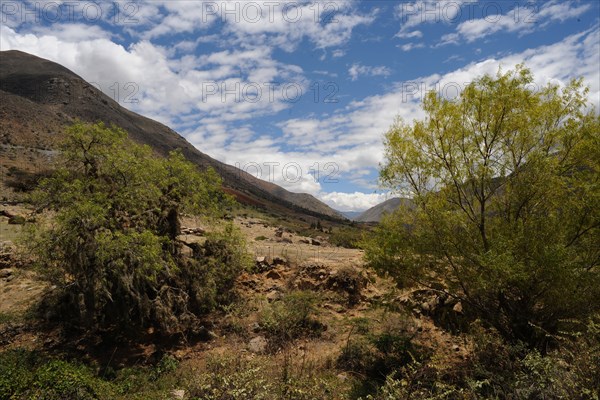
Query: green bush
x=348 y=237
x=292 y=317
x=372 y=356
x=28 y=375
x=504 y=218
x=113 y=244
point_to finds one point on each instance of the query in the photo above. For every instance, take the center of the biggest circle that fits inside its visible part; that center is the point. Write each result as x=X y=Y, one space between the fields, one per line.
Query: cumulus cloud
x=196 y=94
x=233 y=84
x=356 y=201
x=354 y=135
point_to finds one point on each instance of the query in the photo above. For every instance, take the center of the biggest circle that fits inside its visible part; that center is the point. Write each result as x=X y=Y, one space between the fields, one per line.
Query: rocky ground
x=284 y=262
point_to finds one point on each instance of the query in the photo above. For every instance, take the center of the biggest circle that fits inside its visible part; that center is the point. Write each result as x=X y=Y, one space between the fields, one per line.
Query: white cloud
x=356 y=70
x=413 y=14
x=349 y=139
x=286 y=23
x=356 y=201
x=411 y=46
x=523 y=20
x=73 y=32
x=352 y=137
x=282 y=24
x=410 y=35
x=168 y=87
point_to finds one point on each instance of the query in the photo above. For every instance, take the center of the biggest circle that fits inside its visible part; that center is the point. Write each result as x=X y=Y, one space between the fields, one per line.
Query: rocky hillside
x=374 y=214
x=39 y=98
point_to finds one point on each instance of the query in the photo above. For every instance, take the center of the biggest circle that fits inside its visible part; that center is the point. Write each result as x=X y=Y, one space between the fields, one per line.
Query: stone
x=6 y=272
x=274 y=295
x=257 y=344
x=255 y=327
x=274 y=275
x=315 y=242
x=178 y=394
x=212 y=335
x=458 y=308
x=277 y=260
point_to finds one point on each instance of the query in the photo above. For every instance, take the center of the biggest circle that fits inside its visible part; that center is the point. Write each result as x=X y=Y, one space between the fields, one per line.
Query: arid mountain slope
x=375 y=213
x=38 y=98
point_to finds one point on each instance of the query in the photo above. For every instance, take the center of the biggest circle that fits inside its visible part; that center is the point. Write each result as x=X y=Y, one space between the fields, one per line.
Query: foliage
x=113 y=242
x=496 y=369
x=290 y=318
x=348 y=237
x=28 y=375
x=512 y=371
x=505 y=182
x=373 y=355
x=239 y=379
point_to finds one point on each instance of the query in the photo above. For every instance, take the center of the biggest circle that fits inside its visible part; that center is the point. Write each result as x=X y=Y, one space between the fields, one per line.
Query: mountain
x=375 y=213
x=351 y=214
x=39 y=98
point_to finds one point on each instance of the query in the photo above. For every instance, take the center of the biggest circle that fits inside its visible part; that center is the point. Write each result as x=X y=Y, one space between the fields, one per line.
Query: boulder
x=6 y=272
x=257 y=344
x=277 y=260
x=272 y=274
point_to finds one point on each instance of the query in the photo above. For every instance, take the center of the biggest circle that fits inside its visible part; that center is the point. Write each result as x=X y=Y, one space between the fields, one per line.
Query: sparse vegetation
x=292 y=317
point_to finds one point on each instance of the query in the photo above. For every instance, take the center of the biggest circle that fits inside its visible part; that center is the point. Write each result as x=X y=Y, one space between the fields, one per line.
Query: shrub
x=113 y=245
x=292 y=317
x=348 y=237
x=505 y=217
x=28 y=375
x=234 y=378
x=372 y=356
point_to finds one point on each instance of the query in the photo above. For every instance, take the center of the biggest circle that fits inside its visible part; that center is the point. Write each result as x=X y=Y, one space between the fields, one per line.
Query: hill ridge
x=40 y=97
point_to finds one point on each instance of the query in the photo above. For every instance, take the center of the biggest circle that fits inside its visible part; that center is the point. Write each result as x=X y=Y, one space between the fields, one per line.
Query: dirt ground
x=306 y=264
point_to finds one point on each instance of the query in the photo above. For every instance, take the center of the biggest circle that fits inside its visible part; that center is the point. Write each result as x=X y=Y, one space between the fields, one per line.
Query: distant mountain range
x=39 y=98
x=375 y=213
x=351 y=214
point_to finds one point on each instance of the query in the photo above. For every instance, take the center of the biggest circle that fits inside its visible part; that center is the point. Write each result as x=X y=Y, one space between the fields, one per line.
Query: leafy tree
x=113 y=241
x=506 y=215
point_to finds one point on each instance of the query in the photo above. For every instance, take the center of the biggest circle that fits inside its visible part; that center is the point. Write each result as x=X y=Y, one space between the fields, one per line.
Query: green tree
x=505 y=185
x=113 y=241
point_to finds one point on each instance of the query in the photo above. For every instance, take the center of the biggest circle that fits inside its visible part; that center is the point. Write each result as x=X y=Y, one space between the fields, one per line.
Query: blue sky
x=301 y=92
